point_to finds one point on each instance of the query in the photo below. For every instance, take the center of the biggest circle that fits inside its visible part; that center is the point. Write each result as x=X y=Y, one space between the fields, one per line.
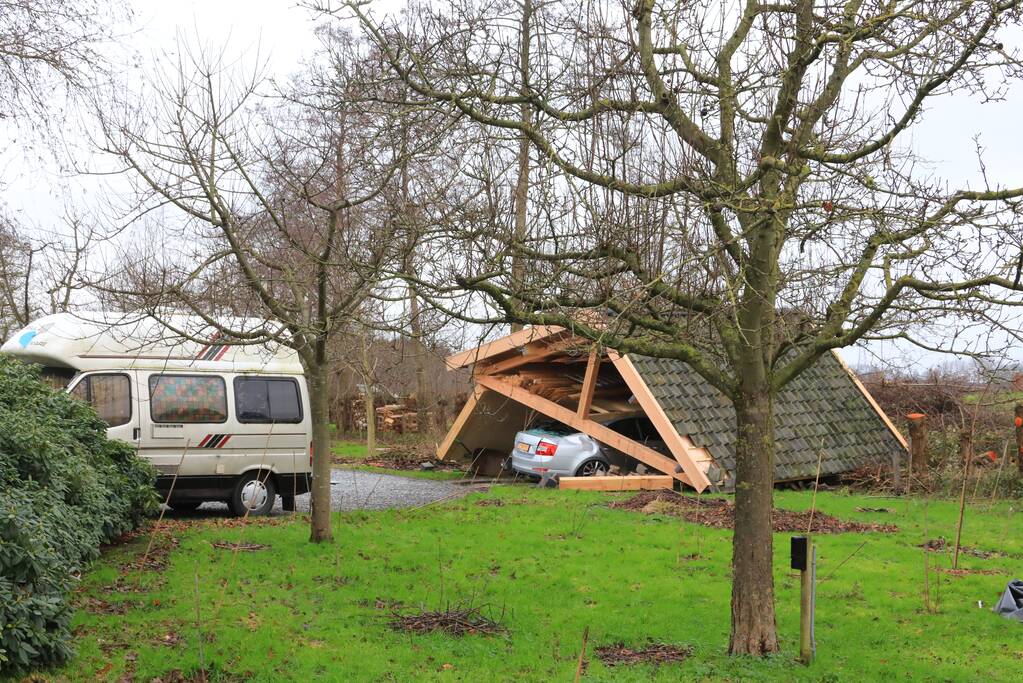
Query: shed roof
x=822 y=414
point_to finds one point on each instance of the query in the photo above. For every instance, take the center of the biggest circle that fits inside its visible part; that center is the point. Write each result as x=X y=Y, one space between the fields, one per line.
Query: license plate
x=522 y=446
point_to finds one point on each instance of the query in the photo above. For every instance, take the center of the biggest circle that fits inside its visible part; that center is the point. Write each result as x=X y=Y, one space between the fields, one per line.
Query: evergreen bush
x=65 y=489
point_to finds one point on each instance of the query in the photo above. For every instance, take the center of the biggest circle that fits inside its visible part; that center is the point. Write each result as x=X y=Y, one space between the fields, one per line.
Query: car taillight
x=310 y=454
x=546 y=448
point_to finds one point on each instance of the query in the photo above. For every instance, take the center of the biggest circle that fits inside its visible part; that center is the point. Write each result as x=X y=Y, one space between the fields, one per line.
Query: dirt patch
x=490 y=502
x=242 y=547
x=720 y=514
x=399 y=459
x=939 y=545
x=453 y=621
x=651 y=653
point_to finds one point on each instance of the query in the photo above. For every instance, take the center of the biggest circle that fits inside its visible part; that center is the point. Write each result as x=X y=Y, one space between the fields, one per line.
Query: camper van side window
x=187 y=398
x=266 y=400
x=110 y=395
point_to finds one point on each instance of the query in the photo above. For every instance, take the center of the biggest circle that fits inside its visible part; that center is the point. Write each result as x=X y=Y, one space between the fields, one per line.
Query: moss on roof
x=821 y=411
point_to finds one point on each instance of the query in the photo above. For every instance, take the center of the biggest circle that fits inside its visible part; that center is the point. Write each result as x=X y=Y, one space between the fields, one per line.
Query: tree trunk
x=1018 y=422
x=367 y=397
x=521 y=195
x=319 y=386
x=754 y=631
x=424 y=401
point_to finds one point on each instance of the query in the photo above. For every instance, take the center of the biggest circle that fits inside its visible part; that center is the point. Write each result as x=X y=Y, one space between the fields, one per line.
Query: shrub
x=64 y=490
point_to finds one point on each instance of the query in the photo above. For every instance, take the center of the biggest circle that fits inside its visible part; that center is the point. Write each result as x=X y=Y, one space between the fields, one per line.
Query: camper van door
x=114 y=395
x=184 y=412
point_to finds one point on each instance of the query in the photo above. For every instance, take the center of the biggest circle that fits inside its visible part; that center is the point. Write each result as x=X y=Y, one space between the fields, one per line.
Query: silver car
x=551 y=447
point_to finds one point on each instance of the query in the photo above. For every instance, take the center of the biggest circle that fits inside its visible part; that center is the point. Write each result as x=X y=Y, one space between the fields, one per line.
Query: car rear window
x=553 y=427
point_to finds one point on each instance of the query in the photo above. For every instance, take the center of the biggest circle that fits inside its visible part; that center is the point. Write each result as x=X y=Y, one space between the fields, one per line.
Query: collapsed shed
x=824 y=416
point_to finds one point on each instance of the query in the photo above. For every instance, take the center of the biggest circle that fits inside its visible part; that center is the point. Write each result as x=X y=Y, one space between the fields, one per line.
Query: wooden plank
x=642 y=483
x=645 y=455
x=498 y=346
x=535 y=353
x=679 y=448
x=589 y=384
x=870 y=399
x=456 y=428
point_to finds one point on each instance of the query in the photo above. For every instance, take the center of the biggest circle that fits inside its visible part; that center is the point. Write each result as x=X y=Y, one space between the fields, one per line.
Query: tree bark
x=368 y=400
x=424 y=400
x=918 y=449
x=754 y=631
x=521 y=195
x=1018 y=422
x=319 y=385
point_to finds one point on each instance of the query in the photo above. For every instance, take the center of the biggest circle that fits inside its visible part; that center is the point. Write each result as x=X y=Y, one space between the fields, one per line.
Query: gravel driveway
x=361 y=490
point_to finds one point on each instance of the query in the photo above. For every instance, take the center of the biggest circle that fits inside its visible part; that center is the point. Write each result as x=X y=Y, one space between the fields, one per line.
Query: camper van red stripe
x=204 y=440
x=220 y=444
x=210 y=352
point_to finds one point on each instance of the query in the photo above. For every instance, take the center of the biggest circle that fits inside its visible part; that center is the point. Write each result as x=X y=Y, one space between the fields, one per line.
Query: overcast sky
x=280 y=32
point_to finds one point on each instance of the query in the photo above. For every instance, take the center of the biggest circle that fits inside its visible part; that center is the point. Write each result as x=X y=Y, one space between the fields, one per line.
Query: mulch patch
x=719 y=513
x=651 y=653
x=453 y=621
x=937 y=545
x=243 y=547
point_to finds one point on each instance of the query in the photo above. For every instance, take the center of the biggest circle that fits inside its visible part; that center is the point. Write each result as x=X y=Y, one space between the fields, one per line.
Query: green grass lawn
x=546 y=564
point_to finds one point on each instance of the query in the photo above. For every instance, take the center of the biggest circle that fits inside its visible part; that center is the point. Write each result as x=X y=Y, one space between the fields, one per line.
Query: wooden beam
x=643 y=483
x=684 y=454
x=645 y=455
x=498 y=346
x=589 y=384
x=535 y=353
x=870 y=399
x=456 y=428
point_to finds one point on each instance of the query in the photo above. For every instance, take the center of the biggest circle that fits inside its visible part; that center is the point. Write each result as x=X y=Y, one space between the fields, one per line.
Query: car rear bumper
x=538 y=465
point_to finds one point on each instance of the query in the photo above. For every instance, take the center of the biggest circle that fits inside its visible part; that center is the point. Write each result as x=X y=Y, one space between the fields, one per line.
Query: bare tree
x=741 y=197
x=48 y=42
x=278 y=213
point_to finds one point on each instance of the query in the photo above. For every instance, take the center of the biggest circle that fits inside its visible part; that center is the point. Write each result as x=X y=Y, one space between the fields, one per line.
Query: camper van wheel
x=254 y=493
x=184 y=505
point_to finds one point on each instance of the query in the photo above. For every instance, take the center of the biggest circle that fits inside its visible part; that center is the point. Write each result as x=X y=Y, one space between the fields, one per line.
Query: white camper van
x=218 y=422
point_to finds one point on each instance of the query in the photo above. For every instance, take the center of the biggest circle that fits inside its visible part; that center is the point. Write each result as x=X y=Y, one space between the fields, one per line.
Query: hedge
x=65 y=489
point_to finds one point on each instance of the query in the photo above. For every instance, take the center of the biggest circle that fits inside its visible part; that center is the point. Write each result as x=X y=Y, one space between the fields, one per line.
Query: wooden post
x=589 y=384
x=917 y=448
x=1018 y=421
x=804 y=558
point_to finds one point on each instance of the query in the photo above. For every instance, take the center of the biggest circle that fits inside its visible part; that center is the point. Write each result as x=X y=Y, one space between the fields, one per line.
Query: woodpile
x=397 y=418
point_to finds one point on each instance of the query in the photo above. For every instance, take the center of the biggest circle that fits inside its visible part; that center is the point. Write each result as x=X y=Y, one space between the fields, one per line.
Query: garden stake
x=962 y=506
x=198 y=630
x=582 y=656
